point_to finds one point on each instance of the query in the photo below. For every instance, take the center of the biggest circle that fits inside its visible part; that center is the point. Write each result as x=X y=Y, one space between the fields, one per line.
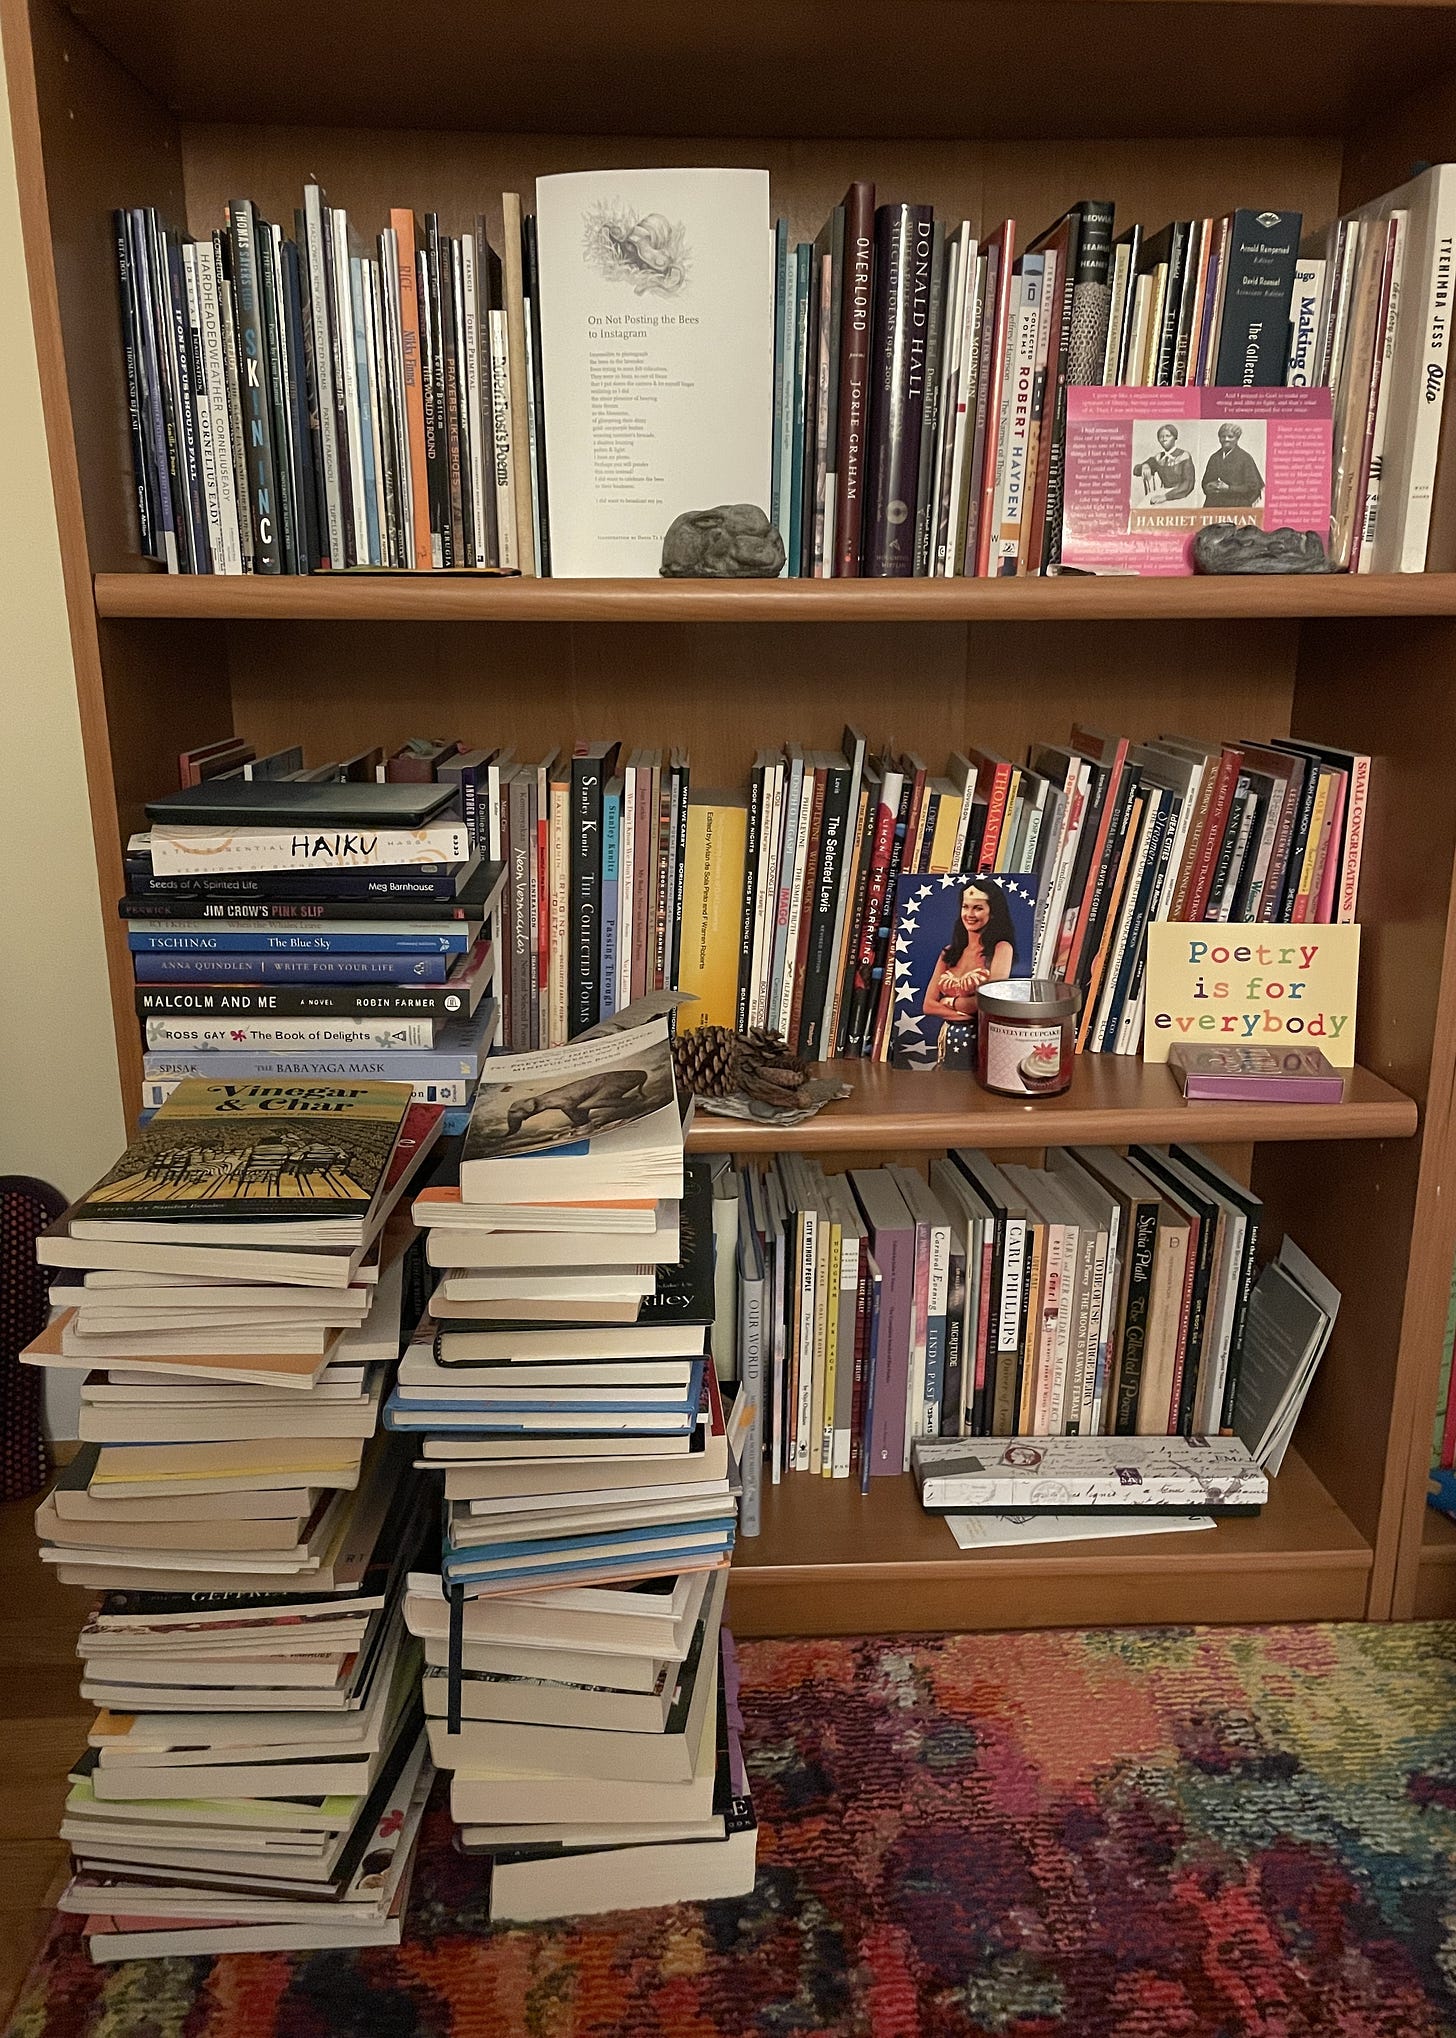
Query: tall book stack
x=1100 y=1294
x=315 y=923
x=575 y=1682
x=235 y=1301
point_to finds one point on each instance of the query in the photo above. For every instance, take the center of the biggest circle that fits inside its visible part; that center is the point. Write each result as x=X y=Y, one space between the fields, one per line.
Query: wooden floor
x=43 y=1726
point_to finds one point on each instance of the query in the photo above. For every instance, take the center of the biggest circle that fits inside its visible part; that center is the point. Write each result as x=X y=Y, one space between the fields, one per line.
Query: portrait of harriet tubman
x=1231 y=480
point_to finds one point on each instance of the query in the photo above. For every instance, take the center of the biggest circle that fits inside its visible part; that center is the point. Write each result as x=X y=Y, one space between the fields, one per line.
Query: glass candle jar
x=1025 y=1035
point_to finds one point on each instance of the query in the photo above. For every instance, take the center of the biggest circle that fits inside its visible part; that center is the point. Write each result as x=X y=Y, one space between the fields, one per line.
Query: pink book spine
x=1359 y=793
x=1324 y=911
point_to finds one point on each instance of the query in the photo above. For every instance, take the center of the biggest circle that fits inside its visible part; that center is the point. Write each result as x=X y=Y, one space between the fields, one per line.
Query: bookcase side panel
x=1374 y=1216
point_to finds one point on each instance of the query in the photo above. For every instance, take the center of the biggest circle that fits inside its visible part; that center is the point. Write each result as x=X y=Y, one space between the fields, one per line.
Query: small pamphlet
x=952 y=933
x=1146 y=469
x=1269 y=985
x=1260 y=1075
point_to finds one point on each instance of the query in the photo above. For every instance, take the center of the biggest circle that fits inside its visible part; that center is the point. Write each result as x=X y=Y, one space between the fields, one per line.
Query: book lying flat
x=1071 y=1475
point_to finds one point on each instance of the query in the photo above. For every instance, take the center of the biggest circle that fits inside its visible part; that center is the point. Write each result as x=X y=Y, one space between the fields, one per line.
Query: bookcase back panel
x=460 y=174
x=726 y=690
x=1378 y=1217
x=942 y=66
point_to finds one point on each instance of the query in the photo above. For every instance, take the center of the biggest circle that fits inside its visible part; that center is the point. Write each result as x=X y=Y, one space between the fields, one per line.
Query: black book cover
x=303 y=415
x=311 y=320
x=1253 y=1210
x=1087 y=840
x=1253 y=332
x=591 y=766
x=222 y=256
x=184 y=368
x=1135 y=1316
x=1102 y=879
x=257 y=409
x=1298 y=843
x=270 y=298
x=159 y=343
x=1228 y=843
x=827 y=877
x=904 y=243
x=750 y=879
x=870 y=784
x=886 y=924
x=472 y=902
x=531 y=274
x=149 y=368
x=681 y=776
x=132 y=355
x=459 y=353
x=288 y=803
x=447 y=394
x=317 y=891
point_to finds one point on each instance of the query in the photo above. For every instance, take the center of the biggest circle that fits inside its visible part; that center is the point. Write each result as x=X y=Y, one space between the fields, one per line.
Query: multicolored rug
x=1191 y=1833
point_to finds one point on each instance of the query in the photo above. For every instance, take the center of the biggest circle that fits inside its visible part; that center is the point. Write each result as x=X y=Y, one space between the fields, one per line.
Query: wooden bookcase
x=1170 y=107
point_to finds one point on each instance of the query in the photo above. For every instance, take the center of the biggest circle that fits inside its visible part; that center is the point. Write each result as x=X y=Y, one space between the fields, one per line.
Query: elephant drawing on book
x=586 y=1104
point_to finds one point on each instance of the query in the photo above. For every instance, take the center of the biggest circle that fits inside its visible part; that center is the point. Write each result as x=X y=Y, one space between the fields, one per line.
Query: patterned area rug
x=1192 y=1833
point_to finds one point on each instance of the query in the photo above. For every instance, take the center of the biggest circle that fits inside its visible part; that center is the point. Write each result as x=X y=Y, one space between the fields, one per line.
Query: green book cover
x=264 y=1150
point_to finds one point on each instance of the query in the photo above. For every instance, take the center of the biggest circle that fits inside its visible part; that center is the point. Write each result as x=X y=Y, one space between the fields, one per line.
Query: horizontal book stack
x=315 y=923
x=575 y=1680
x=323 y=399
x=236 y=1302
x=1100 y=1294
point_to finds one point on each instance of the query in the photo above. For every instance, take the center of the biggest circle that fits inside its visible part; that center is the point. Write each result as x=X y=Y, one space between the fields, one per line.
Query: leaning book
x=657 y=350
x=257 y=1150
x=1074 y=1475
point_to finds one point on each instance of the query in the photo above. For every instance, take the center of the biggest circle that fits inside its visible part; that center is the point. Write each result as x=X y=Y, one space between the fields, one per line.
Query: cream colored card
x=1210 y=984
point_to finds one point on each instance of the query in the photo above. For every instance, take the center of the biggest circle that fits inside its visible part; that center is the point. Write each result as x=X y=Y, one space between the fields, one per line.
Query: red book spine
x=1327 y=869
x=854 y=376
x=996 y=791
x=1229 y=766
x=1354 y=841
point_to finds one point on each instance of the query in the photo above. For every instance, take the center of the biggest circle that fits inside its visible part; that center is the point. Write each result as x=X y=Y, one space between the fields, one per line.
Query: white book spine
x=1015 y=423
x=967 y=382
x=215 y=369
x=1044 y=1337
x=290 y=1033
x=202 y=408
x=474 y=408
x=1304 y=315
x=314 y=228
x=379 y=422
x=1399 y=223
x=179 y=851
x=766 y=889
x=796 y=904
x=501 y=425
x=626 y=887
x=392 y=323
x=532 y=440
x=349 y=360
x=809 y=1355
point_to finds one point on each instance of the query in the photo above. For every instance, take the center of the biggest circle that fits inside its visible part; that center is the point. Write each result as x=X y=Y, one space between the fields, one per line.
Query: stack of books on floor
x=313 y=925
x=1100 y=1294
x=242 y=1306
x=573 y=1630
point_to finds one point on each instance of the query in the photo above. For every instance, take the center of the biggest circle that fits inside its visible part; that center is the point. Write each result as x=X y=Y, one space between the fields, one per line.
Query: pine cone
x=714 y=1061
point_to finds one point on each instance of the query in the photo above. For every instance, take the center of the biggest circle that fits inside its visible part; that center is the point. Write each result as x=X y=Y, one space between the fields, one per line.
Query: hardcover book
x=1072 y=1475
x=1286 y=1075
x=264 y=1150
x=1146 y=469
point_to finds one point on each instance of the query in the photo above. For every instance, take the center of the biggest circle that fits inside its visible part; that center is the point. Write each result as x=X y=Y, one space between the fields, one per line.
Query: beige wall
x=60 y=1101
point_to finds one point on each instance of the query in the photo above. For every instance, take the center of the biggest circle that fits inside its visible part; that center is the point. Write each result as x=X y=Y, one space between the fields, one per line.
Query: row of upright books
x=893 y=396
x=821 y=903
x=1100 y=1294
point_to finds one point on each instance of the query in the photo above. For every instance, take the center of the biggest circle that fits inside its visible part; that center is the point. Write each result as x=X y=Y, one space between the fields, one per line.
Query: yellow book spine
x=947 y=823
x=1300 y=908
x=713 y=907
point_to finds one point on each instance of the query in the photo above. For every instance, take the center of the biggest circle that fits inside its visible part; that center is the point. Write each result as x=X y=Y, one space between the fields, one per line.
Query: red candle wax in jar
x=1025 y=1036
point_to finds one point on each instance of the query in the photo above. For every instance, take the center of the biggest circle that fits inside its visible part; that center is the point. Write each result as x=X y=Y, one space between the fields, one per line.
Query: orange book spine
x=414 y=402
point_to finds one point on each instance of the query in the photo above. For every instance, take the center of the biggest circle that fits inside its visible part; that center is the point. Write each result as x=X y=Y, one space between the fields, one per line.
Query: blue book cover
x=1441 y=1493
x=465 y=1570
x=778 y=515
x=611 y=896
x=254 y=939
x=292 y=969
x=804 y=266
x=1160 y=833
x=716 y=1529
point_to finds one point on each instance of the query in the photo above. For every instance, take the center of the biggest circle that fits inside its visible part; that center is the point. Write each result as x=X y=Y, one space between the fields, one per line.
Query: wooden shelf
x=1435 y=1597
x=464 y=598
x=830 y=1561
x=1113 y=1098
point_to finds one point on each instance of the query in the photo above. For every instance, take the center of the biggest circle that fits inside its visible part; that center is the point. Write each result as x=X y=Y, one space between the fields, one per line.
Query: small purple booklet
x=1146 y=469
x=1261 y=1075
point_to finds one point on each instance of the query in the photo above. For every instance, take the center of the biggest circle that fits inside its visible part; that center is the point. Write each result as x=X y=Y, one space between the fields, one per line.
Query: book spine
x=515 y=309
x=828 y=880
x=903 y=255
x=1253 y=341
x=206 y=441
x=750 y=886
x=854 y=377
x=611 y=899
x=584 y=988
x=143 y=477
x=930 y=404
x=1354 y=844
x=986 y=436
x=1205 y=854
x=680 y=862
x=184 y=367
x=861 y=1004
x=421 y=553
x=801 y=908
x=518 y=914
x=173 y=1030
x=270 y=297
x=257 y=413
x=265 y=1000
x=880 y=974
x=1134 y=1326
x=1091 y=299
x=1051 y=487
x=531 y=263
